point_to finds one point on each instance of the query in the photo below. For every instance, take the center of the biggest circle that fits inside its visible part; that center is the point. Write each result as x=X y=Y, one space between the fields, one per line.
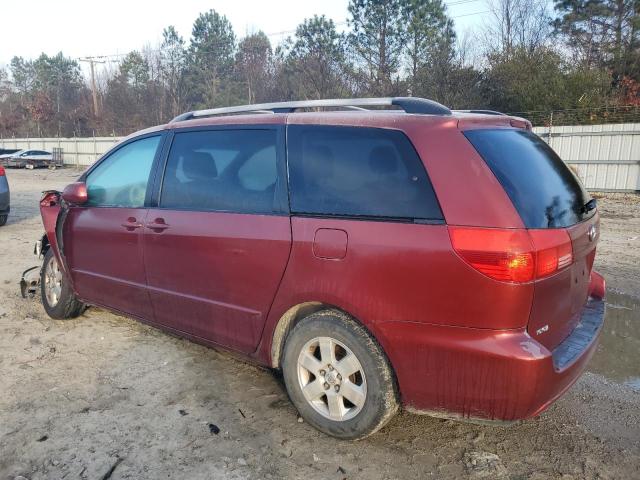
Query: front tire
x=3 y=220
x=58 y=298
x=338 y=376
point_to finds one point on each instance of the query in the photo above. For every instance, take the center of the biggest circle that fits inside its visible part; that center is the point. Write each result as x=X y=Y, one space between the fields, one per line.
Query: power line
x=460 y=2
x=471 y=14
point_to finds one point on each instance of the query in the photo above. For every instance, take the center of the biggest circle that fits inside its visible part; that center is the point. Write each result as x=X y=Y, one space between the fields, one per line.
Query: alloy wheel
x=53 y=282
x=332 y=378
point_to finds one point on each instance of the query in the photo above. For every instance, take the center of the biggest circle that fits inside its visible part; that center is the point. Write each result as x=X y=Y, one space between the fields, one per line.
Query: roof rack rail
x=408 y=104
x=483 y=112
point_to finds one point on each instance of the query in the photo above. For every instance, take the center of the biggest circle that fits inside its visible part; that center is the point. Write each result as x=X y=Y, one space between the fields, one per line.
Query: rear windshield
x=544 y=191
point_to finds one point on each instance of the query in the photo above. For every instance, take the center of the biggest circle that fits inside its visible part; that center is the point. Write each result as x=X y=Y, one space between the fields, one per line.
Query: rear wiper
x=590 y=205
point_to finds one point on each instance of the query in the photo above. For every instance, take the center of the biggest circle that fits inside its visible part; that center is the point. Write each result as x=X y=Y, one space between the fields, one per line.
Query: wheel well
x=296 y=313
x=290 y=318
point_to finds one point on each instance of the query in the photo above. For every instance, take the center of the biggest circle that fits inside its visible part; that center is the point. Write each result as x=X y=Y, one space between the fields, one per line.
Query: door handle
x=158 y=225
x=131 y=224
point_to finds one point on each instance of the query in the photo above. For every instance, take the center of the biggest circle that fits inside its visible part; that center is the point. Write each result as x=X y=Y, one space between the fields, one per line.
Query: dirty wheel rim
x=52 y=282
x=332 y=379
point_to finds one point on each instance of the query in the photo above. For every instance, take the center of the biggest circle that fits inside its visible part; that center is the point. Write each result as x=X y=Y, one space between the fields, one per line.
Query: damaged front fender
x=53 y=211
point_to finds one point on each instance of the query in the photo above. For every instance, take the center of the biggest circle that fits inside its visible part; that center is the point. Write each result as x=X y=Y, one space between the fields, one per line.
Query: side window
x=222 y=170
x=357 y=171
x=121 y=179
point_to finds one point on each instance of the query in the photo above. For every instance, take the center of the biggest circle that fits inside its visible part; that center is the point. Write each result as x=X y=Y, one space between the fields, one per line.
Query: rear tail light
x=513 y=255
x=2 y=172
x=554 y=251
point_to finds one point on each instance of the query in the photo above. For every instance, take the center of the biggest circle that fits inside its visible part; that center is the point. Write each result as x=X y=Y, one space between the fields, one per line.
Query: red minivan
x=380 y=252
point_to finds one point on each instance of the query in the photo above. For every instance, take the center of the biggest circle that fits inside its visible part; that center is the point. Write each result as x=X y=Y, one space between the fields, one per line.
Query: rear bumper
x=486 y=374
x=15 y=163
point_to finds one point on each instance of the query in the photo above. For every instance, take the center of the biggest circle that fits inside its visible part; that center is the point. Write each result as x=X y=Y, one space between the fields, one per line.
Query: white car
x=27 y=159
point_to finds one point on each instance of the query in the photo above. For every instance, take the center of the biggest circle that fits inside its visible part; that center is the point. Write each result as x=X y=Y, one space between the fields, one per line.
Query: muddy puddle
x=618 y=355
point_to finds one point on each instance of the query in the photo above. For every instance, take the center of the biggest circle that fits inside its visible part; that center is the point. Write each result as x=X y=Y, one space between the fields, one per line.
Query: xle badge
x=542 y=330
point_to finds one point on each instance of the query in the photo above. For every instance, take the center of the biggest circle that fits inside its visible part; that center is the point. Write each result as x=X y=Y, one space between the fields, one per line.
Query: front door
x=103 y=238
x=217 y=244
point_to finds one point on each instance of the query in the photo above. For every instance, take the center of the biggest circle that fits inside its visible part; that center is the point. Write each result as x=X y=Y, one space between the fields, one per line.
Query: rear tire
x=3 y=220
x=58 y=298
x=338 y=376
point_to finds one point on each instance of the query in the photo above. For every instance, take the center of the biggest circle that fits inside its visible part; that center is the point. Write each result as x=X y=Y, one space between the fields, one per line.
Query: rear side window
x=356 y=171
x=222 y=170
x=544 y=191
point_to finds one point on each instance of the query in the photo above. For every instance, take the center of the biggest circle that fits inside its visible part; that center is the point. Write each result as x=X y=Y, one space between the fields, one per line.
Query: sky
x=82 y=28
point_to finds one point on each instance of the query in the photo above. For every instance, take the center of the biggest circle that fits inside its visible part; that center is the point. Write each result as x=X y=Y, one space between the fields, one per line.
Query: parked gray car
x=4 y=197
x=27 y=159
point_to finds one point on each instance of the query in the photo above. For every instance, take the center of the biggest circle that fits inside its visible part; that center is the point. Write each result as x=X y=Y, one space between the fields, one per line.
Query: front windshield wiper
x=590 y=205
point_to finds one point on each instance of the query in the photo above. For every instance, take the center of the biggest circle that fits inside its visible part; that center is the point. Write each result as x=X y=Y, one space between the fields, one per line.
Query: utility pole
x=94 y=90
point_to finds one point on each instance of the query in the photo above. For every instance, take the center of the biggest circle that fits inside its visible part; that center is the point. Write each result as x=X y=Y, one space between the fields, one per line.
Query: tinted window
x=357 y=171
x=222 y=170
x=121 y=179
x=543 y=189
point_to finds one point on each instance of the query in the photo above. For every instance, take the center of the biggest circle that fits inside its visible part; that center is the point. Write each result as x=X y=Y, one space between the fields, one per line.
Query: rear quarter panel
x=394 y=272
x=467 y=189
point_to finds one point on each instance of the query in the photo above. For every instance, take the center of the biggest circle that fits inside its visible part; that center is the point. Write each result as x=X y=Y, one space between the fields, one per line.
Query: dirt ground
x=103 y=396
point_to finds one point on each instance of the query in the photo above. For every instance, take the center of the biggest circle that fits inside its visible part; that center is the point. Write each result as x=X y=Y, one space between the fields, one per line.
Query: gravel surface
x=103 y=396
